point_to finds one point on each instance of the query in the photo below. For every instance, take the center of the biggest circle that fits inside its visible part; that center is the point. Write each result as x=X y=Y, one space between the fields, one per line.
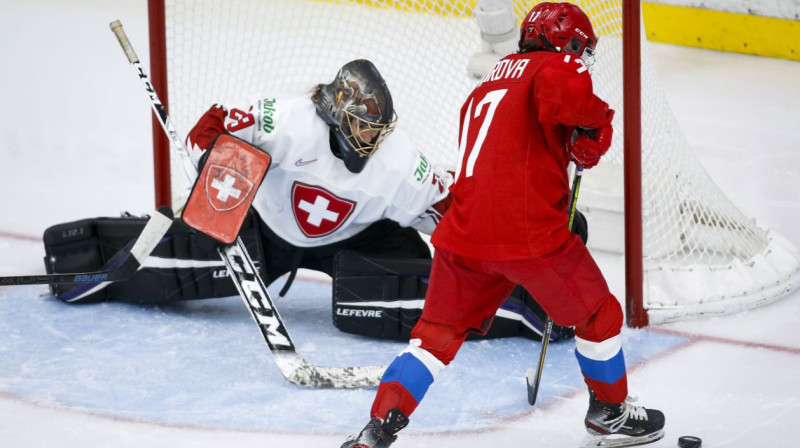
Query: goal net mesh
x=701 y=254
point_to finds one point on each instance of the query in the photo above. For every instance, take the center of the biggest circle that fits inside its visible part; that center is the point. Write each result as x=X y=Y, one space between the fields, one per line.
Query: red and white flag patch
x=225 y=188
x=317 y=211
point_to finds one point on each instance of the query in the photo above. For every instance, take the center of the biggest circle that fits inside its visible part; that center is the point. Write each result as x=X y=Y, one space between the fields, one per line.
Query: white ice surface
x=75 y=133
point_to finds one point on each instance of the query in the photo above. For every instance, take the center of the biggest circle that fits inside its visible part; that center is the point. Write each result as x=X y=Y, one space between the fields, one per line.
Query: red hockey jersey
x=511 y=191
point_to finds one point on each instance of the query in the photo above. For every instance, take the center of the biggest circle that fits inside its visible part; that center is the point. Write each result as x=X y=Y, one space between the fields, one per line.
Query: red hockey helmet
x=560 y=27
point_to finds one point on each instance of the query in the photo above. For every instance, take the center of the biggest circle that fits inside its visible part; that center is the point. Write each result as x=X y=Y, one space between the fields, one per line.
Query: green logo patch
x=423 y=170
x=267 y=115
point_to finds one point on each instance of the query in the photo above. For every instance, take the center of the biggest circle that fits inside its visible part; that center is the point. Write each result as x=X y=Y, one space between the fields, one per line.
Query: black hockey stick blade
x=533 y=385
x=121 y=266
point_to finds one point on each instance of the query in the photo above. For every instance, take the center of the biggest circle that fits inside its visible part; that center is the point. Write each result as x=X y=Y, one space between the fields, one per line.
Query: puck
x=689 y=442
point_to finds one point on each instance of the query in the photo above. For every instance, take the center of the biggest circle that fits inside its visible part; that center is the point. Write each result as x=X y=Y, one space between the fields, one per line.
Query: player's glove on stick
x=587 y=146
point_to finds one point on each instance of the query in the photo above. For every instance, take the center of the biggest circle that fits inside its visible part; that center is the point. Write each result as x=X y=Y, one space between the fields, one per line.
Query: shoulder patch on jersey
x=423 y=168
x=266 y=116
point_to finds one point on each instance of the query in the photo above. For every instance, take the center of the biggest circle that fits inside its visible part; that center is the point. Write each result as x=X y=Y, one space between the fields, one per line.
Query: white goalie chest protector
x=308 y=196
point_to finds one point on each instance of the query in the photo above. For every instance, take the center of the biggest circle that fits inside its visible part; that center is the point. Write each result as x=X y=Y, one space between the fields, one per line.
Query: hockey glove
x=587 y=146
x=207 y=128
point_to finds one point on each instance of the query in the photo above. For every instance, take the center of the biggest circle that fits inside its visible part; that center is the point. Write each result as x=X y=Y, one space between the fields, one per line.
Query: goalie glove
x=587 y=146
x=207 y=128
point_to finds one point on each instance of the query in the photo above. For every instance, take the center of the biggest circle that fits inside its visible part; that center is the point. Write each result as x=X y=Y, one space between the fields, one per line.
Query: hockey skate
x=619 y=425
x=379 y=434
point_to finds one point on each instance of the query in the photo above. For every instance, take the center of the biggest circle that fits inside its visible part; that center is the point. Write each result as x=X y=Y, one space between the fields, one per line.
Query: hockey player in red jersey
x=527 y=119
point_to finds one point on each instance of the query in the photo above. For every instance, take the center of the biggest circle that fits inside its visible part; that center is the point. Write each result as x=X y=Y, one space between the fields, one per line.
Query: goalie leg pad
x=184 y=266
x=383 y=298
x=378 y=297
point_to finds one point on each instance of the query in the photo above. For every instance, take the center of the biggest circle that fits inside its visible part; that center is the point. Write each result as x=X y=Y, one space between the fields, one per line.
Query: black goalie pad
x=383 y=298
x=184 y=266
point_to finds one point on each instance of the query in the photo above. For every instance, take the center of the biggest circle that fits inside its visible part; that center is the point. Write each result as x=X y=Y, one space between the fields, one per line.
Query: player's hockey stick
x=249 y=284
x=120 y=267
x=533 y=378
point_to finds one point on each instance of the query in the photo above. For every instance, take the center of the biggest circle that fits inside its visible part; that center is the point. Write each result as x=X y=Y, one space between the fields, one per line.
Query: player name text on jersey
x=506 y=69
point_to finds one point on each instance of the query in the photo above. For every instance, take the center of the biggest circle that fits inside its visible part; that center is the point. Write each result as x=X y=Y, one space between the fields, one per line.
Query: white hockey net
x=701 y=254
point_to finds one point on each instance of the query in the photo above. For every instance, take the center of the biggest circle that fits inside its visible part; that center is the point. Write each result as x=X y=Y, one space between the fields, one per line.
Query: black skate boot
x=379 y=434
x=618 y=425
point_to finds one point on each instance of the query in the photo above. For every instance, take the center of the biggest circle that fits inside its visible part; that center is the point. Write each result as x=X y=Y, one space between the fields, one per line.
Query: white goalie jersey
x=308 y=197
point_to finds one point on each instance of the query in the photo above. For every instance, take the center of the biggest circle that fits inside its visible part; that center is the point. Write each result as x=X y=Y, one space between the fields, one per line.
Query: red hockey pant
x=464 y=295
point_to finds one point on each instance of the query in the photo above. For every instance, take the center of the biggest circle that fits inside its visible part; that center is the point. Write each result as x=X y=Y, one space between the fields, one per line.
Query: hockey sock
x=598 y=348
x=603 y=367
x=406 y=380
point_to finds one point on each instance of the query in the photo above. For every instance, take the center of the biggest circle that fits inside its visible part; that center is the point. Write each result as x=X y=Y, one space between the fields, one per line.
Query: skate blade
x=617 y=440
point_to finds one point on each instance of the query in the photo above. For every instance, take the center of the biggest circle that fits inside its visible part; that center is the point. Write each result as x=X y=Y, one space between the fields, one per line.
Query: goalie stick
x=533 y=378
x=120 y=267
x=250 y=285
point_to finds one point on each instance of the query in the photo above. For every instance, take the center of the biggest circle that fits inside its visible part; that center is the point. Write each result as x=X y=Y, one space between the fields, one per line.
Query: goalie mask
x=559 y=27
x=358 y=107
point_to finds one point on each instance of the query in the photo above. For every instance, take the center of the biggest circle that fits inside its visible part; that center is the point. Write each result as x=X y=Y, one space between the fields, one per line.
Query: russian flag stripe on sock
x=608 y=371
x=599 y=351
x=601 y=361
x=414 y=369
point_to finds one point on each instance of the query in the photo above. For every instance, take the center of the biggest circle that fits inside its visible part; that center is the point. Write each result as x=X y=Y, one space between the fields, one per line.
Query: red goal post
x=162 y=168
x=635 y=313
x=689 y=251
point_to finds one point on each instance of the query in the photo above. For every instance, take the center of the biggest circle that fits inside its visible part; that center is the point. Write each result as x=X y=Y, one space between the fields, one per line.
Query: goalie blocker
x=231 y=172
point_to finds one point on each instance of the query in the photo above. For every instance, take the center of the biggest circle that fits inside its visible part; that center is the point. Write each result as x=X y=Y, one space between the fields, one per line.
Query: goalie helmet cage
x=689 y=251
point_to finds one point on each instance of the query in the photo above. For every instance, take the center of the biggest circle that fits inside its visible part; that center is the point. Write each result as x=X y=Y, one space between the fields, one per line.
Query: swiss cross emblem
x=226 y=189
x=318 y=212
